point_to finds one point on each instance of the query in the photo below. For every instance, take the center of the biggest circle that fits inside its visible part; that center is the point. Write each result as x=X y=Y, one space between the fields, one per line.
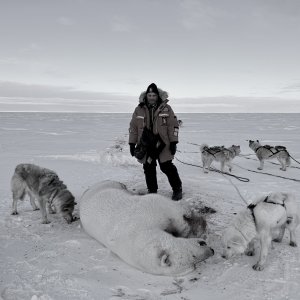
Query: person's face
x=152 y=98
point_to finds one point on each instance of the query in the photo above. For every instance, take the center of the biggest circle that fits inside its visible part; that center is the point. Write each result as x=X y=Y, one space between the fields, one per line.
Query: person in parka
x=153 y=135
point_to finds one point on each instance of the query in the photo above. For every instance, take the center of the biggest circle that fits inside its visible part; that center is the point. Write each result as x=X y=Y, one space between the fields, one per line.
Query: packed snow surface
x=60 y=261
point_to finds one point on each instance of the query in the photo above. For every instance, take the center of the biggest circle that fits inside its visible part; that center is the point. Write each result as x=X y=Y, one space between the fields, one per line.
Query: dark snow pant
x=168 y=168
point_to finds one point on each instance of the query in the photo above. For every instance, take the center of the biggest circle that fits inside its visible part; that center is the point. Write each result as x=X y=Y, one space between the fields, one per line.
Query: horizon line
x=87 y=112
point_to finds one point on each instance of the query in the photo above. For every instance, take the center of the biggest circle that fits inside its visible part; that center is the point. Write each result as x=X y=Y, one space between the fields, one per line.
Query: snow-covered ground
x=60 y=261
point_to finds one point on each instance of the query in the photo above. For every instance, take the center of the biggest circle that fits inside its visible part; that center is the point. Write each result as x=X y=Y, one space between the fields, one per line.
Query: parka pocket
x=163 y=119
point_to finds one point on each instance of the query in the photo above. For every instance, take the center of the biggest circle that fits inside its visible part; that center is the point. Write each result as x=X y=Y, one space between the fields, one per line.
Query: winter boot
x=177 y=194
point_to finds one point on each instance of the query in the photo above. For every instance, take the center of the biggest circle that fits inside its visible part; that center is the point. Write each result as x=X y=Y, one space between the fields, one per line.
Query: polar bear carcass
x=149 y=232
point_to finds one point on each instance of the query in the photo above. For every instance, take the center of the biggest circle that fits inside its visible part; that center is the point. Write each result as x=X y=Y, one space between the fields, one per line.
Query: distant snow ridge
x=119 y=154
x=112 y=155
x=89 y=156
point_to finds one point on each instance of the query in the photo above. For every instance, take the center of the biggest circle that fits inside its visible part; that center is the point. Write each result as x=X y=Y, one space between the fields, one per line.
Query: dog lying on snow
x=45 y=186
x=149 y=232
x=218 y=153
x=267 y=217
x=266 y=152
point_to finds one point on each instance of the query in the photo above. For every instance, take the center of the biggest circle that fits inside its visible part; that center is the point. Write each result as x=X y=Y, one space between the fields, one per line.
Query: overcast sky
x=96 y=55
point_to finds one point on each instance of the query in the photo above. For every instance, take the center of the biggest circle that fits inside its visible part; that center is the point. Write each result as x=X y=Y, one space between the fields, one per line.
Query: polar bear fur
x=151 y=232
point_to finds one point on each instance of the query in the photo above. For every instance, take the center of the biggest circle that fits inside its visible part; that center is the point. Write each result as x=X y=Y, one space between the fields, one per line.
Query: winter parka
x=164 y=123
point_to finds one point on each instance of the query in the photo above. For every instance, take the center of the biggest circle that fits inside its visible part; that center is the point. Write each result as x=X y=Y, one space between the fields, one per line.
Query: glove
x=173 y=147
x=132 y=148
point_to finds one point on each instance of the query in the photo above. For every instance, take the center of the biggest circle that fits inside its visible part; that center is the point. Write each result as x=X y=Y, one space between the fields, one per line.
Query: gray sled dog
x=264 y=152
x=218 y=153
x=45 y=186
x=263 y=220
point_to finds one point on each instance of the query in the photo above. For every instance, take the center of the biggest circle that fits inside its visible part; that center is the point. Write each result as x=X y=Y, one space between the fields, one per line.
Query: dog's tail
x=18 y=186
x=203 y=147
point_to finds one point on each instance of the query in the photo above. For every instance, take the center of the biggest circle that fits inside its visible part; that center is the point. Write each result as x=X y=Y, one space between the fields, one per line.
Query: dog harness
x=216 y=150
x=282 y=204
x=277 y=148
x=252 y=206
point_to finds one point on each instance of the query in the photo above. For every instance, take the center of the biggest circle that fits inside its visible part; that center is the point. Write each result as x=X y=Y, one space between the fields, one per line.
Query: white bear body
x=137 y=229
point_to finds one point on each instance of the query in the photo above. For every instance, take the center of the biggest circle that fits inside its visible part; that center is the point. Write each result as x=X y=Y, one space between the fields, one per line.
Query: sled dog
x=263 y=220
x=218 y=153
x=43 y=185
x=264 y=152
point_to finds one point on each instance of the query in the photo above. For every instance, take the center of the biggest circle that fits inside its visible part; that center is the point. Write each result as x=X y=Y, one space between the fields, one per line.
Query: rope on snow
x=243 y=179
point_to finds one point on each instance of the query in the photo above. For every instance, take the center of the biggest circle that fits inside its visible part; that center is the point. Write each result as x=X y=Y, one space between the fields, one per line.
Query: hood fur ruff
x=162 y=94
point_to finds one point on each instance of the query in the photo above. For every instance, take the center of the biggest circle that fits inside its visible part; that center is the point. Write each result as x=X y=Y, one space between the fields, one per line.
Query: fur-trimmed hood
x=162 y=94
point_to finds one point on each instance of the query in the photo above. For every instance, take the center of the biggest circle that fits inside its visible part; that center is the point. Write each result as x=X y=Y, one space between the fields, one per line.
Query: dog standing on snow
x=264 y=152
x=218 y=153
x=267 y=217
x=45 y=186
x=149 y=232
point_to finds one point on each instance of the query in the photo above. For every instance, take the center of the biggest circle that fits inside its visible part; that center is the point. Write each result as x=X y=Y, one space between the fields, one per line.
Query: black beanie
x=152 y=88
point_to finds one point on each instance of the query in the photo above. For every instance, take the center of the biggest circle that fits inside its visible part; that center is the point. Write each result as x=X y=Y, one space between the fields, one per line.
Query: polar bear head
x=175 y=256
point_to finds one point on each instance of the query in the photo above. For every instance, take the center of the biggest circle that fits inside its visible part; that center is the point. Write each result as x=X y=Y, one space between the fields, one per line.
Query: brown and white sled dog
x=218 y=153
x=263 y=220
x=45 y=186
x=264 y=152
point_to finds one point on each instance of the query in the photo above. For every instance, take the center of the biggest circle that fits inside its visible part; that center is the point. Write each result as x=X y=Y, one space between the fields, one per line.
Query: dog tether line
x=243 y=179
x=270 y=162
x=294 y=159
x=294 y=179
x=264 y=173
x=223 y=174
x=238 y=191
x=298 y=162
